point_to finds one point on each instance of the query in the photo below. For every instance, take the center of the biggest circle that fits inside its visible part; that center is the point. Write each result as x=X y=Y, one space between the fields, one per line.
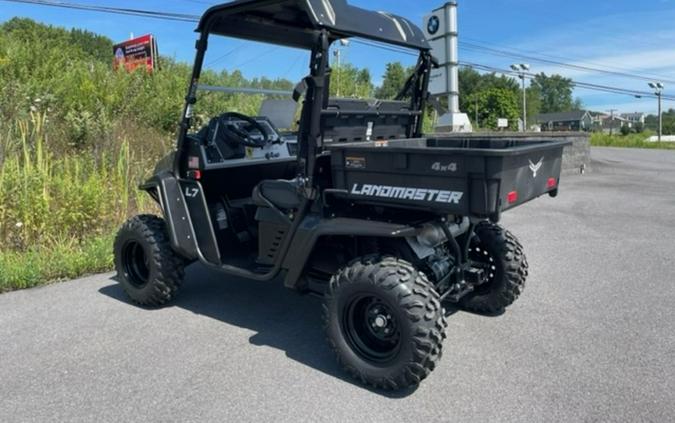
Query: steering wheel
x=241 y=136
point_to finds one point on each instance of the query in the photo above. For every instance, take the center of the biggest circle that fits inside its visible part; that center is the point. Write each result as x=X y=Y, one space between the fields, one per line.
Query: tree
x=533 y=105
x=472 y=85
x=349 y=81
x=555 y=93
x=497 y=103
x=652 y=122
x=578 y=104
x=393 y=81
x=364 y=83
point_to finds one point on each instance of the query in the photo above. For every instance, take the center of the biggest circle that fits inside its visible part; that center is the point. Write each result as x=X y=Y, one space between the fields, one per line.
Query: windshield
x=257 y=79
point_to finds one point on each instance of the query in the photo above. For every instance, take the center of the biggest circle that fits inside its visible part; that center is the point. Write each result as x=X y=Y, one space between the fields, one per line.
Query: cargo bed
x=467 y=177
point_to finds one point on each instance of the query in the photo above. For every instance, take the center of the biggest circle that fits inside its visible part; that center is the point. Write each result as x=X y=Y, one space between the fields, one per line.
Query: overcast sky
x=621 y=35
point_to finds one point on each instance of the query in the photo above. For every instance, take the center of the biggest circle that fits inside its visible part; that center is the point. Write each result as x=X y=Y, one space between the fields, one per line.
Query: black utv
x=358 y=206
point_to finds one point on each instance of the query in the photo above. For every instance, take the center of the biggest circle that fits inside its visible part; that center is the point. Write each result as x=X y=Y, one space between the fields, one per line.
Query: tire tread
x=170 y=268
x=420 y=303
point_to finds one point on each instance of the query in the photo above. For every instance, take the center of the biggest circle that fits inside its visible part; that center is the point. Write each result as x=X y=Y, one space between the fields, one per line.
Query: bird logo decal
x=535 y=167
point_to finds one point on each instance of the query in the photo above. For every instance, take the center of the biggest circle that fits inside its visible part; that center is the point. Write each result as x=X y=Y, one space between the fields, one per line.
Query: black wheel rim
x=371 y=329
x=136 y=265
x=484 y=259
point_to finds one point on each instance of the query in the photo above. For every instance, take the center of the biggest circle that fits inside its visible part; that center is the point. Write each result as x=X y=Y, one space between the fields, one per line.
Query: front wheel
x=501 y=256
x=147 y=268
x=385 y=322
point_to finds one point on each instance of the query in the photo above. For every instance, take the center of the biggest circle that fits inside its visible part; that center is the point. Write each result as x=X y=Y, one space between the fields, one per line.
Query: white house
x=634 y=118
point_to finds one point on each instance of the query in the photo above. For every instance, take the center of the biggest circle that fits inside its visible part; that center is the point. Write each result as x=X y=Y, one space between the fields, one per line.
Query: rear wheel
x=385 y=322
x=148 y=269
x=501 y=256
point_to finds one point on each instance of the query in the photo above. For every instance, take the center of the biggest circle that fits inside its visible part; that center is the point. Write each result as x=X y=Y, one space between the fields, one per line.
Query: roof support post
x=190 y=98
x=315 y=101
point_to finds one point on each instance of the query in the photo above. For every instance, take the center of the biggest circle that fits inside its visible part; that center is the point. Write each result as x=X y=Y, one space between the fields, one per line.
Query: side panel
x=177 y=217
x=187 y=217
x=201 y=220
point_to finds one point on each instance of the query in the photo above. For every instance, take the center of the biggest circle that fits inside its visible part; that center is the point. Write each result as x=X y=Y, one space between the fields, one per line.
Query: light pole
x=338 y=53
x=658 y=90
x=521 y=68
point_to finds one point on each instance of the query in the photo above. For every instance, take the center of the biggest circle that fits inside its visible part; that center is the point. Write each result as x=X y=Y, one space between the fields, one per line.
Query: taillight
x=194 y=174
x=552 y=183
x=512 y=197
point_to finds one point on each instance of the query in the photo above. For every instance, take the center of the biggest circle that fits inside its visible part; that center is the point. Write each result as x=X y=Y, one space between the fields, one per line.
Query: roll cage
x=311 y=25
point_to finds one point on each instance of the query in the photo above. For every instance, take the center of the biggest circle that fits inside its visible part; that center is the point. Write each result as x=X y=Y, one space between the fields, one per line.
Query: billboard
x=138 y=52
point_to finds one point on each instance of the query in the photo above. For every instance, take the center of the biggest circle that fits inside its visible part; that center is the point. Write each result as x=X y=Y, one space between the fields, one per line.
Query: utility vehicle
x=358 y=206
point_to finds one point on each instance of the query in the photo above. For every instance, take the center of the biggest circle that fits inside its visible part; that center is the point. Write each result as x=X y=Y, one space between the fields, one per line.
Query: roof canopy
x=294 y=23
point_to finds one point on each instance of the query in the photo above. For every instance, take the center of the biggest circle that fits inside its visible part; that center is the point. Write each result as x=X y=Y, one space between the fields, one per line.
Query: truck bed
x=465 y=177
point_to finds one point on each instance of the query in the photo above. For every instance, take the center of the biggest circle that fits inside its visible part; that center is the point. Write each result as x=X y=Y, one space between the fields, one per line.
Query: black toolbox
x=466 y=177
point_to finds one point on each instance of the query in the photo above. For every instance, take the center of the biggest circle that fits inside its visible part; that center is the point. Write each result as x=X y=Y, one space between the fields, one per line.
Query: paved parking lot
x=592 y=338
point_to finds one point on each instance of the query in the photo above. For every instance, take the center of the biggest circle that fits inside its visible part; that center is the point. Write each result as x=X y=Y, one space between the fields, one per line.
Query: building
x=634 y=118
x=578 y=120
x=598 y=118
x=613 y=124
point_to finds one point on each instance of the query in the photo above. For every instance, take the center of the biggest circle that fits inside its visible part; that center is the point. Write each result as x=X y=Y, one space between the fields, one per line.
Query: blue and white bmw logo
x=433 y=25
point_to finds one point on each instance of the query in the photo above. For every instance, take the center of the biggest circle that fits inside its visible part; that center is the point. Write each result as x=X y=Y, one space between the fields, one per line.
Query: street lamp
x=658 y=90
x=521 y=68
x=338 y=53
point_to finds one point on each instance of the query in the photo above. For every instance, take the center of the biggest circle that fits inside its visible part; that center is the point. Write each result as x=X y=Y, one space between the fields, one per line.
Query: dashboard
x=218 y=154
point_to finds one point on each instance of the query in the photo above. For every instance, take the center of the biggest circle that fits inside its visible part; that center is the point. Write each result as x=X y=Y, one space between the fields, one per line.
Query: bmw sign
x=433 y=25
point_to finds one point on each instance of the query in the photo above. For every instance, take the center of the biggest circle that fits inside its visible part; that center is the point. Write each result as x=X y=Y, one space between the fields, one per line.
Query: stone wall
x=575 y=157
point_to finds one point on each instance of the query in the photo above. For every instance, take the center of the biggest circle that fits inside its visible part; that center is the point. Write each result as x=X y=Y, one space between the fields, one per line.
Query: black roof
x=575 y=115
x=294 y=23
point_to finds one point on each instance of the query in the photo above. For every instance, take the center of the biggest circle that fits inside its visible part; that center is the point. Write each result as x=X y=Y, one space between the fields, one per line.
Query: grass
x=59 y=209
x=629 y=141
x=38 y=266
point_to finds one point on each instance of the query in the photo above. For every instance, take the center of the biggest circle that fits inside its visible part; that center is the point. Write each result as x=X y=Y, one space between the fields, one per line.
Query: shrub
x=625 y=130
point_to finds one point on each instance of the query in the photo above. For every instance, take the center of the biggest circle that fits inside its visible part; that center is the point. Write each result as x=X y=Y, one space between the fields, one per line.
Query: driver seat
x=283 y=194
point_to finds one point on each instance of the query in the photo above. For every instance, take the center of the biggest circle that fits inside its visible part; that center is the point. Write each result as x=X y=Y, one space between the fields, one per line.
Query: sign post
x=440 y=28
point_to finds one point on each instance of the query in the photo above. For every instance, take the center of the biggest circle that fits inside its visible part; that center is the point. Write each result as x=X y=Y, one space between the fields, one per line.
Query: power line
x=194 y=18
x=201 y=2
x=115 y=10
x=577 y=84
x=499 y=52
x=227 y=53
x=564 y=59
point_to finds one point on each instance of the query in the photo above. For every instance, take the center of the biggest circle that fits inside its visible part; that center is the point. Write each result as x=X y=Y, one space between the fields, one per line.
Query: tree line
x=487 y=97
x=72 y=77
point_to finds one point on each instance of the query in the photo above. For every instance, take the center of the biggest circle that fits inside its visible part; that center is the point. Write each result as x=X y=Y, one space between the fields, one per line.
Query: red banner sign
x=139 y=52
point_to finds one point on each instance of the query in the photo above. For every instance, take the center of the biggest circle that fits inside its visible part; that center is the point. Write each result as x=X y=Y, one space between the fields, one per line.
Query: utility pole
x=521 y=69
x=658 y=90
x=611 y=121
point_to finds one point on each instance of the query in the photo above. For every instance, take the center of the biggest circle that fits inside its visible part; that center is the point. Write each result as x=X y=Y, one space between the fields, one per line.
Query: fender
x=314 y=227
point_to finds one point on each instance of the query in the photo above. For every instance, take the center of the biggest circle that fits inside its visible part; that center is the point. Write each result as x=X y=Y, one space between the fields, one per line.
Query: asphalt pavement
x=591 y=339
